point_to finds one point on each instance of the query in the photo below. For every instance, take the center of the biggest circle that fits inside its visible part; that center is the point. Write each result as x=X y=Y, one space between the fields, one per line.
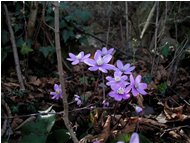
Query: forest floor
x=166 y=108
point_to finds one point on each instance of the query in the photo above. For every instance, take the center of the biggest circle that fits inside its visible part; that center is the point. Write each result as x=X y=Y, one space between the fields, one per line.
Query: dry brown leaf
x=140 y=100
x=174 y=134
x=103 y=136
x=16 y=121
x=34 y=80
x=11 y=84
x=172 y=113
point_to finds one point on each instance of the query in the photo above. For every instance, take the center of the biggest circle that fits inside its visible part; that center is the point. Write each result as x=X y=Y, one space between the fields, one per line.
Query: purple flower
x=105 y=51
x=136 y=85
x=118 y=78
x=58 y=92
x=78 y=100
x=119 y=92
x=77 y=58
x=105 y=103
x=138 y=109
x=134 y=138
x=99 y=62
x=124 y=68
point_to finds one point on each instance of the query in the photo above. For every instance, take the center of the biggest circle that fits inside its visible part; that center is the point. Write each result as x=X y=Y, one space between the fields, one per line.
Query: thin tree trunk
x=16 y=58
x=32 y=18
x=61 y=74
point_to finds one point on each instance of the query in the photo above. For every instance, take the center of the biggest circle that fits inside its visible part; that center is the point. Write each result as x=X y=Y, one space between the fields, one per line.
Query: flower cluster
x=122 y=83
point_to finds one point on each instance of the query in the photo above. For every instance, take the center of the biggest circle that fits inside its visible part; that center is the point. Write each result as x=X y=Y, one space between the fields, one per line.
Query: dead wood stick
x=16 y=58
x=61 y=74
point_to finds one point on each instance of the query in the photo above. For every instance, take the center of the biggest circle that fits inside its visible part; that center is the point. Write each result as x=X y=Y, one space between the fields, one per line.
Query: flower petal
x=126 y=96
x=107 y=58
x=132 y=79
x=56 y=87
x=134 y=92
x=143 y=85
x=69 y=59
x=104 y=50
x=75 y=62
x=85 y=57
x=138 y=79
x=103 y=69
x=109 y=78
x=126 y=66
x=94 y=68
x=53 y=93
x=111 y=94
x=90 y=62
x=97 y=55
x=119 y=64
x=109 y=67
x=117 y=73
x=110 y=51
x=72 y=55
x=134 y=138
x=118 y=97
x=82 y=54
x=141 y=91
x=124 y=77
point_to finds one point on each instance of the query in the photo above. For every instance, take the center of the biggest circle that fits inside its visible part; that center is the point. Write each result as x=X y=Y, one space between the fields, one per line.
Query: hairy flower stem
x=104 y=92
x=61 y=74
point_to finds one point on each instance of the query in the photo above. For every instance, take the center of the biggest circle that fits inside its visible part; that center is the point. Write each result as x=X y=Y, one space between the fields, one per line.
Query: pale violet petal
x=103 y=69
x=94 y=68
x=134 y=91
x=90 y=62
x=72 y=55
x=138 y=79
x=134 y=138
x=75 y=62
x=107 y=58
x=97 y=55
x=119 y=64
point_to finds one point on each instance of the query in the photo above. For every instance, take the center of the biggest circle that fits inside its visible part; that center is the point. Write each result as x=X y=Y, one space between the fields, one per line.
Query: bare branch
x=61 y=74
x=16 y=58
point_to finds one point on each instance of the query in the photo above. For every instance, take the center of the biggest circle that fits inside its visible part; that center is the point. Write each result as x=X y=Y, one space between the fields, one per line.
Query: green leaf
x=47 y=50
x=165 y=50
x=162 y=88
x=18 y=27
x=37 y=131
x=83 y=40
x=79 y=16
x=83 y=80
x=25 y=49
x=61 y=135
x=67 y=34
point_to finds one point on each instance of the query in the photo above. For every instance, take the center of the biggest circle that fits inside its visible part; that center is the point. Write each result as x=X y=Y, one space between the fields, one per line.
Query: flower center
x=123 y=69
x=79 y=56
x=136 y=86
x=99 y=61
x=117 y=78
x=120 y=90
x=58 y=91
